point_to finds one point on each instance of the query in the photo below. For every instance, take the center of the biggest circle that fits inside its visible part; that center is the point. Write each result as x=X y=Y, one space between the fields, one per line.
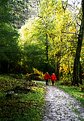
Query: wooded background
x=44 y=34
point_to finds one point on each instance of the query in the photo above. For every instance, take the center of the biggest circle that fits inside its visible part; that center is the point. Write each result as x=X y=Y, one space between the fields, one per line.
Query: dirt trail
x=61 y=107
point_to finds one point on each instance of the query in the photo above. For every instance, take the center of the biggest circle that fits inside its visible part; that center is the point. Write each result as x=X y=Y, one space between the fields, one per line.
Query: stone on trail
x=60 y=106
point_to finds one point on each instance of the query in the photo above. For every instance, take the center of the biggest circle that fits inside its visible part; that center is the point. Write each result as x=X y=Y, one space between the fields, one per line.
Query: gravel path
x=61 y=107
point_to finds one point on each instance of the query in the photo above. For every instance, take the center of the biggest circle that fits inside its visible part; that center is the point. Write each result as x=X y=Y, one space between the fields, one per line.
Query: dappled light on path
x=61 y=107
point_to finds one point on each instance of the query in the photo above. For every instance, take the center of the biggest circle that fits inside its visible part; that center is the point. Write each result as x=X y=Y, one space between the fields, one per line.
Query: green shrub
x=82 y=88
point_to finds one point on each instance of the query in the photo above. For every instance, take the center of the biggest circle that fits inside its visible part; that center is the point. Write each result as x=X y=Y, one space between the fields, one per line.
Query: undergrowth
x=20 y=106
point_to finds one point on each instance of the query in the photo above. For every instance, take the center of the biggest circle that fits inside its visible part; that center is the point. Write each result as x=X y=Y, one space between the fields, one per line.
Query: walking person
x=53 y=78
x=47 y=77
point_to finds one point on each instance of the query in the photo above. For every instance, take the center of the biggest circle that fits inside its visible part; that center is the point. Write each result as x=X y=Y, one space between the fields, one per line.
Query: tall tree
x=22 y=10
x=48 y=29
x=76 y=69
x=8 y=37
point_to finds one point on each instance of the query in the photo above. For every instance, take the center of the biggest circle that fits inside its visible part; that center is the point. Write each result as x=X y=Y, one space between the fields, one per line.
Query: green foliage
x=8 y=43
x=35 y=30
x=21 y=106
x=82 y=88
x=21 y=10
x=18 y=9
x=36 y=75
x=39 y=73
x=52 y=21
x=9 y=49
x=66 y=80
x=33 y=56
x=8 y=83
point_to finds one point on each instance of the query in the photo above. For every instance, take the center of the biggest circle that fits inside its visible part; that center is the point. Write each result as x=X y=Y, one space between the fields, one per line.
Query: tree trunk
x=58 y=55
x=80 y=74
x=58 y=67
x=46 y=52
x=78 y=51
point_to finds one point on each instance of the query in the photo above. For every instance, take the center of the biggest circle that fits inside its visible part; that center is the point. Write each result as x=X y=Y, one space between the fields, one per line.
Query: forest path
x=60 y=106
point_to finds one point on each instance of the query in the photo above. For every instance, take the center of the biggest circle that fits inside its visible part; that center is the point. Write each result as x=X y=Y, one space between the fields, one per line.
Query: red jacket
x=46 y=76
x=53 y=77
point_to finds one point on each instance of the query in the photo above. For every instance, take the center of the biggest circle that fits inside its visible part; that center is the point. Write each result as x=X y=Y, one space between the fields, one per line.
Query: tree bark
x=76 y=76
x=46 y=52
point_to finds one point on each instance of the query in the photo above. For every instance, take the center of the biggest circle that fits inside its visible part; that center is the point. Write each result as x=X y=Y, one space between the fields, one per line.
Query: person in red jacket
x=53 y=78
x=46 y=77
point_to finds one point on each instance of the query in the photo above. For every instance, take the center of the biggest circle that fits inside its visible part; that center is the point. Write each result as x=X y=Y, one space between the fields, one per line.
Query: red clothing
x=46 y=76
x=53 y=77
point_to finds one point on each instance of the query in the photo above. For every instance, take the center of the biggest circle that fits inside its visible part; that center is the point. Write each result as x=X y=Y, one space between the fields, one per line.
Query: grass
x=73 y=91
x=21 y=106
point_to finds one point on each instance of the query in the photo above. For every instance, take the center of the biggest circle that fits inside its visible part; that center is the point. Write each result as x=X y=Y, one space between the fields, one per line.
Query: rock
x=61 y=107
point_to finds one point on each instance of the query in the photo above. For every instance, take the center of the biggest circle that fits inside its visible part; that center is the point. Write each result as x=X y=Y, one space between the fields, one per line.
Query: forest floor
x=60 y=106
x=19 y=102
x=41 y=103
